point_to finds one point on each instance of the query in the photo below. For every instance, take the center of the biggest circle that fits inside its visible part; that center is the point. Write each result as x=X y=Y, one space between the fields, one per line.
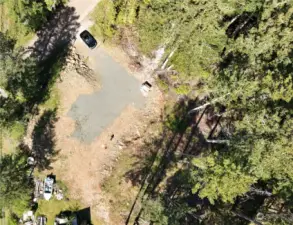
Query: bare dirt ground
x=82 y=167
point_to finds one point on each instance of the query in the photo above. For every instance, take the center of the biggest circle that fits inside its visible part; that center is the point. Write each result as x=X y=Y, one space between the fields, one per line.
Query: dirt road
x=78 y=10
x=83 y=7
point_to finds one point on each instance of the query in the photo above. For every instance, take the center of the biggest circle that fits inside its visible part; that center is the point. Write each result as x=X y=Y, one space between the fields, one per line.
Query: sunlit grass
x=53 y=207
x=53 y=101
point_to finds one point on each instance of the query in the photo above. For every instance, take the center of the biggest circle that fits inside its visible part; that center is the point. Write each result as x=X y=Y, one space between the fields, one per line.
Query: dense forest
x=229 y=59
x=20 y=19
x=233 y=58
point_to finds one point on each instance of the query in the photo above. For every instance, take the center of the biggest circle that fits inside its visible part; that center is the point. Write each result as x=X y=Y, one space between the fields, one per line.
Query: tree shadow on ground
x=37 y=68
x=60 y=30
x=174 y=126
x=181 y=133
x=43 y=136
x=82 y=216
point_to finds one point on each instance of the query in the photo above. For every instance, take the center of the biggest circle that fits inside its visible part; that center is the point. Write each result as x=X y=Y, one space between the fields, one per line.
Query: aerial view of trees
x=26 y=80
x=238 y=56
x=230 y=60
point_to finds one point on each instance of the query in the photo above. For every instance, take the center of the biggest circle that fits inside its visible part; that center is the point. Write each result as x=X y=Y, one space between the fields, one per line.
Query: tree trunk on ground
x=170 y=67
x=166 y=72
x=167 y=60
x=199 y=108
x=241 y=215
x=233 y=20
x=241 y=26
x=261 y=192
x=218 y=141
x=206 y=104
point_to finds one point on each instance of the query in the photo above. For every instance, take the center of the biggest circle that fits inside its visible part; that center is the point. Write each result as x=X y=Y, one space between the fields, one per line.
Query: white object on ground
x=30 y=161
x=3 y=93
x=48 y=183
x=59 y=196
x=145 y=88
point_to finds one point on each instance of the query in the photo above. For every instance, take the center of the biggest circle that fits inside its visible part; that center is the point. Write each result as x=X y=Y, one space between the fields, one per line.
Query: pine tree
x=14 y=183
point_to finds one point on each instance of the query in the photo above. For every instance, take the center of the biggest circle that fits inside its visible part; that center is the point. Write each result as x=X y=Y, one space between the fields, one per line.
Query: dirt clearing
x=83 y=167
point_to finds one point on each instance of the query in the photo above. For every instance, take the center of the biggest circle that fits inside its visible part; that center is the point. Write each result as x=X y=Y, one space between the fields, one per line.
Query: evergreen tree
x=15 y=186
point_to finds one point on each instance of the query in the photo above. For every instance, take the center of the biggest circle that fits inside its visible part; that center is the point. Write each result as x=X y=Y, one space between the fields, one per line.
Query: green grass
x=17 y=130
x=12 y=136
x=24 y=40
x=53 y=101
x=9 y=145
x=121 y=194
x=53 y=207
x=8 y=220
x=162 y=85
x=182 y=89
x=15 y=30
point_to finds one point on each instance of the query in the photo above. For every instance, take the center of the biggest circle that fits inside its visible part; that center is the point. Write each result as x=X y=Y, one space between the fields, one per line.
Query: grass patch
x=182 y=90
x=17 y=130
x=163 y=85
x=53 y=207
x=24 y=40
x=53 y=101
x=12 y=136
x=120 y=192
x=9 y=145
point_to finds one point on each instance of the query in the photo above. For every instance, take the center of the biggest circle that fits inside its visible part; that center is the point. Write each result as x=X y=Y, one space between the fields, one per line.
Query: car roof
x=85 y=32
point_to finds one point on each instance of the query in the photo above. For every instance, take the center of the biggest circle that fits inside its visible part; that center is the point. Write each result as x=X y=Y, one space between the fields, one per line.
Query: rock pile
x=77 y=63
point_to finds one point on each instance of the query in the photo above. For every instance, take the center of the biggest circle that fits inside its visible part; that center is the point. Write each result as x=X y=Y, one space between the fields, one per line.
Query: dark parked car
x=88 y=39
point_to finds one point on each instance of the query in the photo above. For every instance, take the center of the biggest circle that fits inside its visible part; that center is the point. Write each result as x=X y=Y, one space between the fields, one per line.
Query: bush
x=104 y=20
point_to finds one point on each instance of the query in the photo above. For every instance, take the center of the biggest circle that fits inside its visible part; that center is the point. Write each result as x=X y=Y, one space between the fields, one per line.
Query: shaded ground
x=43 y=137
x=93 y=113
x=41 y=68
x=58 y=32
x=161 y=170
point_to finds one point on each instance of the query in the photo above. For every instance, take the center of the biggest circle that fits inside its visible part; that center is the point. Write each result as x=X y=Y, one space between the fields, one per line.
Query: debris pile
x=76 y=62
x=45 y=189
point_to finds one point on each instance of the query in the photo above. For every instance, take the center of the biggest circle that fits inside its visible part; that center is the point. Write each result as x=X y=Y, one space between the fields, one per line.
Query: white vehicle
x=48 y=187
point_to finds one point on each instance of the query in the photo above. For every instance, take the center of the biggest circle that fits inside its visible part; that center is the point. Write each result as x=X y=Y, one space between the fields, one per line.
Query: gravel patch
x=94 y=112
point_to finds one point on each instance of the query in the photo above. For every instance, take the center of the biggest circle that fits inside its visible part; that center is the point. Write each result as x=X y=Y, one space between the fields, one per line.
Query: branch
x=241 y=215
x=233 y=20
x=261 y=192
x=166 y=61
x=206 y=104
x=218 y=141
x=199 y=108
x=240 y=27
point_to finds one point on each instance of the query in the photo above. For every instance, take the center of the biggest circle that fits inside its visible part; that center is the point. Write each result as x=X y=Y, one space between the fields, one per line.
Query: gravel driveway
x=93 y=113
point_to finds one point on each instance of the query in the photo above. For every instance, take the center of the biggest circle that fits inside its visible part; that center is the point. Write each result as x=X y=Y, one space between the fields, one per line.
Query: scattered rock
x=76 y=62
